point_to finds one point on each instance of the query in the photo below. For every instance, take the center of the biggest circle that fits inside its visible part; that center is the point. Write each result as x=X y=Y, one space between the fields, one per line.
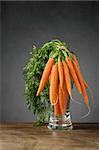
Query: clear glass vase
x=60 y=122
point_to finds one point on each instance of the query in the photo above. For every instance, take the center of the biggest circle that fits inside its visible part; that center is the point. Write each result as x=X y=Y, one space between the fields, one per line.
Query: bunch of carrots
x=61 y=68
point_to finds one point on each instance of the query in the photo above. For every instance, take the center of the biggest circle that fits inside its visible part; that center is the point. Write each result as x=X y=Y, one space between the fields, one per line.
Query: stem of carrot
x=55 y=55
x=65 y=54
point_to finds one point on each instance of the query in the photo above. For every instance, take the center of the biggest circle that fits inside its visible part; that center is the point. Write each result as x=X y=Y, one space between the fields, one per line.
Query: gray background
x=0 y=62
x=27 y=23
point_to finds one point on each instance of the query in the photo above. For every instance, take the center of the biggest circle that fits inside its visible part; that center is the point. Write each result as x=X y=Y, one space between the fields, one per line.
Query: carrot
x=85 y=83
x=79 y=75
x=85 y=86
x=77 y=63
x=75 y=59
x=63 y=99
x=57 y=110
x=73 y=73
x=45 y=75
x=66 y=96
x=60 y=70
x=54 y=84
x=67 y=77
x=49 y=77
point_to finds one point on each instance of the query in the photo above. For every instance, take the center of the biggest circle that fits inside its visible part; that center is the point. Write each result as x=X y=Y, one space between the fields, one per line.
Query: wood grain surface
x=28 y=137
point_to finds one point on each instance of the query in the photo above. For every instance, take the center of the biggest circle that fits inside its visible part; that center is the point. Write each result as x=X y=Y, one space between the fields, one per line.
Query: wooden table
x=28 y=137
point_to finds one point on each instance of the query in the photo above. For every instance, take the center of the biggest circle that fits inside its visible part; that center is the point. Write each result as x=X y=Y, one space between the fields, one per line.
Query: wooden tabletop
x=28 y=137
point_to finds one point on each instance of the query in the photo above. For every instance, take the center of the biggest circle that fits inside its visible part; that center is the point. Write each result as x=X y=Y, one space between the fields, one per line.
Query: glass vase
x=60 y=122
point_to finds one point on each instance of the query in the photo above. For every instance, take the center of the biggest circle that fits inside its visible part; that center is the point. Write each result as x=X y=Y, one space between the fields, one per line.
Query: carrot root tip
x=53 y=104
x=92 y=95
x=89 y=111
x=36 y=95
x=75 y=100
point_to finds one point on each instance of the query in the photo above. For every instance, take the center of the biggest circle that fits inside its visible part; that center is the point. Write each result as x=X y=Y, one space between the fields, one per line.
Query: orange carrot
x=63 y=99
x=45 y=75
x=85 y=83
x=57 y=110
x=79 y=75
x=75 y=59
x=73 y=73
x=77 y=63
x=54 y=84
x=67 y=77
x=66 y=96
x=60 y=70
x=49 y=77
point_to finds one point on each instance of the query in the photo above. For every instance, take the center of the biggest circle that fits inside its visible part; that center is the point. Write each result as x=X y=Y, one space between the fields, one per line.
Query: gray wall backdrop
x=0 y=61
x=27 y=23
